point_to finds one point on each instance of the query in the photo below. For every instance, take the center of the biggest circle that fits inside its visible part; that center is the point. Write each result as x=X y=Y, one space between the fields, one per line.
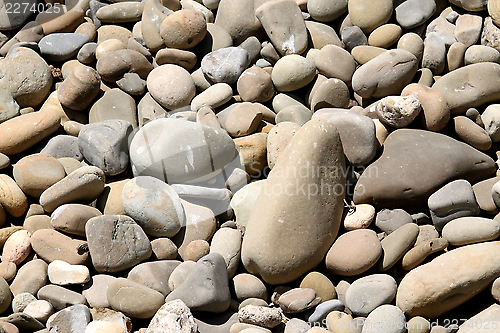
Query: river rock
x=71 y=218
x=95 y=291
x=386 y=74
x=367 y=293
x=174 y=315
x=388 y=220
x=206 y=288
x=120 y=12
x=255 y=85
x=385 y=319
x=298 y=300
x=420 y=252
x=171 y=86
x=154 y=275
x=60 y=297
x=133 y=299
x=406 y=187
x=227 y=243
x=26 y=75
x=52 y=245
x=183 y=29
x=61 y=46
x=396 y=244
x=274 y=237
x=248 y=286
x=113 y=105
x=113 y=65
x=465 y=87
x=30 y=277
x=398 y=111
x=152 y=16
x=225 y=64
x=195 y=150
x=245 y=25
x=353 y=253
x=62 y=273
x=17 y=247
x=284 y=25
x=444 y=283
x=455 y=199
x=260 y=315
x=368 y=15
x=83 y=184
x=79 y=88
x=72 y=319
x=292 y=72
x=116 y=243
x=412 y=13
x=469 y=230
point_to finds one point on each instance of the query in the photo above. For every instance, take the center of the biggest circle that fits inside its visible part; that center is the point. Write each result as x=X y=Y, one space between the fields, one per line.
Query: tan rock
x=253 y=152
x=12 y=198
x=17 y=247
x=183 y=29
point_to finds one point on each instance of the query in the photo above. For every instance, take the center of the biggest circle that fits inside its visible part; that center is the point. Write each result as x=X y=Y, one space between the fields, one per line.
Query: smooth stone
x=353 y=253
x=367 y=293
x=385 y=319
x=468 y=29
x=17 y=247
x=435 y=112
x=454 y=200
x=12 y=198
x=120 y=12
x=52 y=245
x=171 y=86
x=109 y=241
x=239 y=327
x=386 y=74
x=225 y=64
x=368 y=15
x=412 y=43
x=23 y=321
x=243 y=120
x=86 y=54
x=105 y=145
x=260 y=315
x=385 y=36
x=483 y=193
x=98 y=326
x=36 y=222
x=412 y=13
x=411 y=148
x=60 y=297
x=113 y=65
x=426 y=232
x=200 y=224
x=364 y=53
x=199 y=295
x=298 y=300
x=420 y=252
x=469 y=230
x=331 y=93
x=248 y=286
x=341 y=322
x=490 y=33
x=79 y=88
x=324 y=11
x=71 y=218
x=487 y=317
x=10 y=108
x=196 y=250
x=109 y=45
x=388 y=220
x=465 y=87
x=322 y=34
x=30 y=278
x=170 y=153
x=319 y=313
x=62 y=46
x=25 y=131
x=289 y=211
x=216 y=38
x=396 y=244
x=243 y=201
x=186 y=59
x=323 y=287
x=72 y=319
x=95 y=291
x=183 y=29
x=115 y=104
x=335 y=62
x=245 y=25
x=455 y=57
x=174 y=315
x=398 y=111
x=360 y=218
x=255 y=85
x=4 y=161
x=110 y=200
x=278 y=139
x=27 y=76
x=133 y=299
x=8 y=270
x=61 y=146
x=154 y=275
x=62 y=273
x=164 y=249
x=357 y=133
x=284 y=25
x=471 y=5
x=215 y=96
x=297 y=114
x=480 y=53
x=5 y=295
x=132 y=84
x=153 y=14
x=154 y=205
x=443 y=284
x=227 y=243
x=353 y=36
x=148 y=109
x=292 y=72
x=418 y=325
x=179 y=274
x=83 y=184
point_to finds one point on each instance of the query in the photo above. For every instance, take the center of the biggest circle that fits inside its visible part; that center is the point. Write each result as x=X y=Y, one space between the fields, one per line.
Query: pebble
x=227 y=243
x=248 y=286
x=396 y=244
x=455 y=284
x=120 y=12
x=340 y=322
x=385 y=319
x=183 y=29
x=243 y=120
x=154 y=275
x=420 y=252
x=353 y=253
x=469 y=230
x=62 y=46
x=132 y=84
x=323 y=287
x=60 y=298
x=179 y=274
x=133 y=299
x=255 y=85
x=114 y=64
x=389 y=220
x=114 y=105
x=17 y=247
x=71 y=218
x=368 y=293
x=21 y=301
x=225 y=64
x=260 y=316
x=455 y=199
x=30 y=277
x=72 y=319
x=411 y=13
x=41 y=310
x=319 y=313
x=8 y=270
x=52 y=245
x=215 y=96
x=109 y=243
x=95 y=291
x=335 y=62
x=62 y=273
x=83 y=184
x=292 y=72
x=397 y=111
x=175 y=316
x=97 y=326
x=369 y=16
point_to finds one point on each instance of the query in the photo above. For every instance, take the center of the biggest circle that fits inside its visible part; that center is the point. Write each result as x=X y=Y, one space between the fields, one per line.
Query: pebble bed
x=253 y=166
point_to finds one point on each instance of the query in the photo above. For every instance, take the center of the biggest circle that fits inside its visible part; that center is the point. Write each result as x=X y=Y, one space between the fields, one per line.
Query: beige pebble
x=12 y=198
x=183 y=29
x=17 y=247
x=41 y=310
x=412 y=43
x=109 y=45
x=385 y=36
x=196 y=250
x=243 y=120
x=364 y=53
x=102 y=326
x=360 y=217
x=255 y=85
x=62 y=273
x=183 y=58
x=253 y=152
x=8 y=270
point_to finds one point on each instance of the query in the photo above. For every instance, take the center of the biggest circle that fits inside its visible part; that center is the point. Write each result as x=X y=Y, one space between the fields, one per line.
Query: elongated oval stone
x=297 y=214
x=449 y=280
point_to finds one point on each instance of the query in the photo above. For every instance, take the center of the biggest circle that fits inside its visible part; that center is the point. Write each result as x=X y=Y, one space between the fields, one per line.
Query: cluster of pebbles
x=253 y=166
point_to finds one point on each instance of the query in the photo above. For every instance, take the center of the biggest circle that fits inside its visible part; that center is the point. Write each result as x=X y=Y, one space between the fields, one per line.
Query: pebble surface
x=253 y=166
